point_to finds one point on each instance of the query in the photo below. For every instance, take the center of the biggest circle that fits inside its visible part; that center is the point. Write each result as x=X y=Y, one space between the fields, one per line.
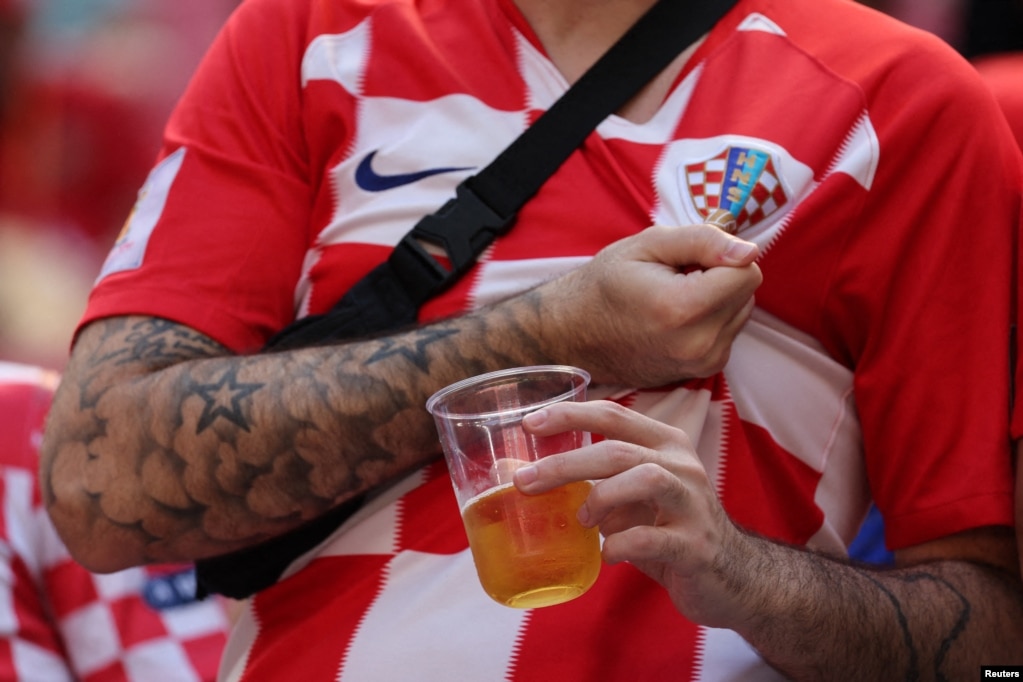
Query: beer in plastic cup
x=529 y=550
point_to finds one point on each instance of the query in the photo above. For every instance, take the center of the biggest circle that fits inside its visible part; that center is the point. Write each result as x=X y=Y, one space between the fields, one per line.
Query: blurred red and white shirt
x=57 y=620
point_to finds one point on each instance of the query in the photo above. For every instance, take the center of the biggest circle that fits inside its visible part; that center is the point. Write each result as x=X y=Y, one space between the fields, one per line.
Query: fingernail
x=535 y=419
x=583 y=516
x=526 y=475
x=738 y=251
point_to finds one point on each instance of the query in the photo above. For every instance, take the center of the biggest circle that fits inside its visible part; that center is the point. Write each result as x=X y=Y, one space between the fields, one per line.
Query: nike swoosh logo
x=371 y=181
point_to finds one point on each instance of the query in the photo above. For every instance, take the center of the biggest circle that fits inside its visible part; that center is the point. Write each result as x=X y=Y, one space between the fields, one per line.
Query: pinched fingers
x=713 y=318
x=699 y=307
x=702 y=245
x=704 y=292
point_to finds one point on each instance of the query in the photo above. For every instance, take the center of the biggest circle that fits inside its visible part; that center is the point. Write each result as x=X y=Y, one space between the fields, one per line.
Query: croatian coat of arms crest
x=740 y=180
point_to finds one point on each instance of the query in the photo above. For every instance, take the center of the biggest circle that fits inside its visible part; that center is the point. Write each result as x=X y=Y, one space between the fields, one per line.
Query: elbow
x=86 y=476
x=98 y=546
x=97 y=558
x=90 y=537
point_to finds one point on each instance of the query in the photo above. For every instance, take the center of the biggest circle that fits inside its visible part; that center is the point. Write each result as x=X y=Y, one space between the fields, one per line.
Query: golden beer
x=530 y=550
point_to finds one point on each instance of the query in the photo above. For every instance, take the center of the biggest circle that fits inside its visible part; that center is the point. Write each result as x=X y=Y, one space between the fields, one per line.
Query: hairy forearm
x=826 y=619
x=163 y=447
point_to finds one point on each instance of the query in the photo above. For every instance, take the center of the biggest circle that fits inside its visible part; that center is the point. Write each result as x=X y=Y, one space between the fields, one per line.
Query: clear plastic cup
x=529 y=550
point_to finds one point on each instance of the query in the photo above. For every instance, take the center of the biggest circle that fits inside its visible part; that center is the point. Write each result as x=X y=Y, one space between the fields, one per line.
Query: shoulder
x=912 y=83
x=867 y=46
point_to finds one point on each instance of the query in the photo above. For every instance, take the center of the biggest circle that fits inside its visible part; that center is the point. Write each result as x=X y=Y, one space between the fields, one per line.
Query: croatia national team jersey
x=60 y=623
x=865 y=158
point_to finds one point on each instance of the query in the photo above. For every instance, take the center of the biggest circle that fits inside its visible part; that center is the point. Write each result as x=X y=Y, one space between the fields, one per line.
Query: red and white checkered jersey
x=316 y=132
x=58 y=621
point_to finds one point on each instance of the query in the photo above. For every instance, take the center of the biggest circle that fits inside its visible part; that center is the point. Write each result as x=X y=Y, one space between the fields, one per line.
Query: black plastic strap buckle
x=462 y=228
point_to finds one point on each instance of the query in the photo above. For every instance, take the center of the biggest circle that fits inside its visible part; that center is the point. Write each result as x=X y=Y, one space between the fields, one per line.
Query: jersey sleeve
x=931 y=312
x=217 y=238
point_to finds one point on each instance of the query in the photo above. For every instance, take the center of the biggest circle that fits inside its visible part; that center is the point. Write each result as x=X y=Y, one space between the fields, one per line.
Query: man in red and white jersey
x=58 y=621
x=869 y=174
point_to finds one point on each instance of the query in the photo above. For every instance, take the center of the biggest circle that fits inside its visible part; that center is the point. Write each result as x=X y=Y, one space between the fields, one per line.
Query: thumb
x=702 y=246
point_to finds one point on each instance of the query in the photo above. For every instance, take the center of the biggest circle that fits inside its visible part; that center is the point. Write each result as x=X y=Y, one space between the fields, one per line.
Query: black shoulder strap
x=485 y=204
x=484 y=207
x=496 y=193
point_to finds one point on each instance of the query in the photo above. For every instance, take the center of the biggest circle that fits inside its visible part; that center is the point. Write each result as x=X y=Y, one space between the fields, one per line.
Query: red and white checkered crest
x=741 y=180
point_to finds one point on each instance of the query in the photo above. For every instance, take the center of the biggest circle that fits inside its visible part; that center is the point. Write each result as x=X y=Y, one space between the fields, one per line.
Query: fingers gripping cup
x=529 y=550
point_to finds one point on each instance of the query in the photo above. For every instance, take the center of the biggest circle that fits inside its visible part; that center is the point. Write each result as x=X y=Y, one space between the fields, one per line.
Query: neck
x=575 y=33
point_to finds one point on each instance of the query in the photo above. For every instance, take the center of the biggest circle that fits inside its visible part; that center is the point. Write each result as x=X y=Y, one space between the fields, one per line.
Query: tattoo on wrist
x=962 y=618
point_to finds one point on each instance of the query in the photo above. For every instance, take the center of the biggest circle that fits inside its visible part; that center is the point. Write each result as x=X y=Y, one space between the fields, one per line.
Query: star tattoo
x=417 y=355
x=223 y=399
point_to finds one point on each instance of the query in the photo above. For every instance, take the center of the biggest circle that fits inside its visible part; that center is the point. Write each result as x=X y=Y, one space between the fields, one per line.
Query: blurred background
x=86 y=85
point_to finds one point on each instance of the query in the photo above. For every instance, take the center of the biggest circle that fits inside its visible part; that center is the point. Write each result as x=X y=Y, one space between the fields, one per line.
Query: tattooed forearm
x=155 y=343
x=224 y=398
x=180 y=450
x=413 y=347
x=912 y=655
x=958 y=610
